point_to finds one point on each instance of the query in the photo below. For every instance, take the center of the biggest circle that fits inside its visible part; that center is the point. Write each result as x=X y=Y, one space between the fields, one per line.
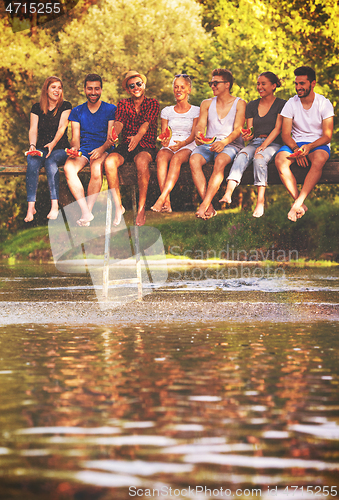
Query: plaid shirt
x=132 y=121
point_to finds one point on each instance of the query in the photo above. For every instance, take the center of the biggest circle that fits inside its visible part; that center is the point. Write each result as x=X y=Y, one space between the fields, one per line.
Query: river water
x=201 y=410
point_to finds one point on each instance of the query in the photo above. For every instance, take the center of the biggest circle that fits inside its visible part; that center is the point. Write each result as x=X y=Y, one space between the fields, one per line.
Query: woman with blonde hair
x=48 y=134
x=175 y=151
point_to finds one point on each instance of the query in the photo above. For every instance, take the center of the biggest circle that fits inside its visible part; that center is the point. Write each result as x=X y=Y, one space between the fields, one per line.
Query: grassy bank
x=231 y=235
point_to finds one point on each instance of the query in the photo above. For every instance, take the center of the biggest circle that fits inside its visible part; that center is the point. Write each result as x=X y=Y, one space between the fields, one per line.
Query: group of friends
x=301 y=127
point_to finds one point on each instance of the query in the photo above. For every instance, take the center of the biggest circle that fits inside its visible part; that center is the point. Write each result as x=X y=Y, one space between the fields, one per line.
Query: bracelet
x=32 y=145
x=296 y=147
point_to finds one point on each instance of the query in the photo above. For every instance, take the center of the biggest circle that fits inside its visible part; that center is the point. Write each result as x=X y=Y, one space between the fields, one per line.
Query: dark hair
x=93 y=77
x=306 y=70
x=272 y=77
x=225 y=73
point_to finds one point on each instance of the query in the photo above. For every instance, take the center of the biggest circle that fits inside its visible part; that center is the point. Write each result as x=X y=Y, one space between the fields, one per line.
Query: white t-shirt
x=181 y=124
x=307 y=123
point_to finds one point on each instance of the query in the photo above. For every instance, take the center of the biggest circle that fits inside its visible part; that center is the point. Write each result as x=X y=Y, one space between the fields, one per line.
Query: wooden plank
x=128 y=176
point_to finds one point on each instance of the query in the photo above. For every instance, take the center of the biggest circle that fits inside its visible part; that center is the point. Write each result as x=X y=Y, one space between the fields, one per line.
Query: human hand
x=259 y=149
x=177 y=146
x=217 y=147
x=133 y=142
x=95 y=153
x=50 y=147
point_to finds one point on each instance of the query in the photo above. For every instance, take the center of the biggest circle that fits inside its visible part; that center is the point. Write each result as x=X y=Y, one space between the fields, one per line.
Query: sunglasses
x=138 y=84
x=182 y=75
x=215 y=84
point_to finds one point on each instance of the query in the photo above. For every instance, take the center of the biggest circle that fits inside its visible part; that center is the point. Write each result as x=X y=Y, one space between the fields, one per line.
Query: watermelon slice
x=206 y=140
x=247 y=131
x=73 y=152
x=36 y=152
x=296 y=153
x=114 y=137
x=165 y=135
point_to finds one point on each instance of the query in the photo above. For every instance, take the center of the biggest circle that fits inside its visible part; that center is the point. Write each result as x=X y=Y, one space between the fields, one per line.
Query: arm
x=164 y=125
x=182 y=144
x=326 y=137
x=135 y=139
x=290 y=142
x=33 y=132
x=75 y=142
x=272 y=136
x=63 y=124
x=202 y=120
x=239 y=121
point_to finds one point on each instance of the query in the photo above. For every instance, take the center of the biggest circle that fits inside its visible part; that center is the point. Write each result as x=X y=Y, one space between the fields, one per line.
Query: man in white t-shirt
x=307 y=128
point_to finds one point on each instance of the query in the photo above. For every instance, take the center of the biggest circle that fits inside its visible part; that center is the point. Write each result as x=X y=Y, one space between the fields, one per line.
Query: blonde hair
x=44 y=96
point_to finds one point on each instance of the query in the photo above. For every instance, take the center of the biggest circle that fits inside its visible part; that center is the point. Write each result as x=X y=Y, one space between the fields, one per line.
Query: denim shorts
x=205 y=151
x=299 y=144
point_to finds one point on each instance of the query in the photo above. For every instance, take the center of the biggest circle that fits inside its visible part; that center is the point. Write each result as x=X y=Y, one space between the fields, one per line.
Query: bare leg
x=163 y=158
x=173 y=174
x=206 y=210
x=112 y=163
x=95 y=183
x=72 y=168
x=53 y=214
x=260 y=206
x=30 y=211
x=318 y=159
x=142 y=161
x=287 y=178
x=231 y=185
x=197 y=161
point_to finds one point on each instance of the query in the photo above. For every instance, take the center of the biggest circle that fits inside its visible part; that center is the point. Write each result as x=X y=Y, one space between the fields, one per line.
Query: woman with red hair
x=48 y=134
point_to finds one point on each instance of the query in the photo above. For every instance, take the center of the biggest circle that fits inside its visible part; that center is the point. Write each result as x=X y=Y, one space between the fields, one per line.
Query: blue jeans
x=34 y=163
x=245 y=156
x=204 y=150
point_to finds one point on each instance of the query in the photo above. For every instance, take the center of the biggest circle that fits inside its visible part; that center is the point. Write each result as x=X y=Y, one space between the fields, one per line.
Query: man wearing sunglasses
x=223 y=115
x=136 y=117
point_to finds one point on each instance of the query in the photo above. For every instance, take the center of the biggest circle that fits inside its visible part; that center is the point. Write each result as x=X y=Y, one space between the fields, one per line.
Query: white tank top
x=222 y=128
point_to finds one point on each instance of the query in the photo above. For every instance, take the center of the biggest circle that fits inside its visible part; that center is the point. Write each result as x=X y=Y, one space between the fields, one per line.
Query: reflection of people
x=47 y=133
x=309 y=118
x=224 y=115
x=263 y=115
x=181 y=119
x=137 y=118
x=92 y=123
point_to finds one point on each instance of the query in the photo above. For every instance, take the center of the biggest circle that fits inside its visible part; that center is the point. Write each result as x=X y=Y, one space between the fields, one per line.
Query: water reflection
x=87 y=413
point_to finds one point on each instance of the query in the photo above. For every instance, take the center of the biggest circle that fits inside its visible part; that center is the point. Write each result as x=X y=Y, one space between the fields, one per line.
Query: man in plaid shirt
x=137 y=118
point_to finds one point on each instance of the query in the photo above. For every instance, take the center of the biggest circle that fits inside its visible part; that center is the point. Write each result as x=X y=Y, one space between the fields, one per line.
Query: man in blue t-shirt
x=92 y=124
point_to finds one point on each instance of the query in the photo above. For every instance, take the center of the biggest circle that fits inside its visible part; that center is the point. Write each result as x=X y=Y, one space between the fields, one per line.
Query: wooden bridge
x=128 y=177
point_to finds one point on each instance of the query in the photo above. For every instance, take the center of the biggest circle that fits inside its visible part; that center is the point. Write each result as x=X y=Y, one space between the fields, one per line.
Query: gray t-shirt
x=263 y=125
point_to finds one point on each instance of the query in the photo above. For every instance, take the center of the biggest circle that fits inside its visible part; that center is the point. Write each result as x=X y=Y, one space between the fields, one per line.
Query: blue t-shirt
x=93 y=126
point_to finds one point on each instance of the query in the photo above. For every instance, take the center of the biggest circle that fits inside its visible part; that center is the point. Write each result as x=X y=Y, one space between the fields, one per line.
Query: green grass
x=270 y=238
x=25 y=242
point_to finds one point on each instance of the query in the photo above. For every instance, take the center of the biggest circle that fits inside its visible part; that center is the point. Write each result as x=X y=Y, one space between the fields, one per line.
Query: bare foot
x=200 y=214
x=85 y=221
x=167 y=208
x=158 y=206
x=30 y=214
x=227 y=198
x=141 y=217
x=295 y=213
x=259 y=210
x=209 y=215
x=53 y=214
x=119 y=212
